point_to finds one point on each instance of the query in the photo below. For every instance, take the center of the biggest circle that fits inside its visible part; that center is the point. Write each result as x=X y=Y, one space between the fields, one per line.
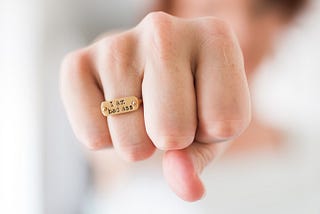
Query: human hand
x=190 y=74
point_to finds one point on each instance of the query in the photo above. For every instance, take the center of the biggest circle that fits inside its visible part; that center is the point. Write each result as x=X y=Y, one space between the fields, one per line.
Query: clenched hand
x=190 y=75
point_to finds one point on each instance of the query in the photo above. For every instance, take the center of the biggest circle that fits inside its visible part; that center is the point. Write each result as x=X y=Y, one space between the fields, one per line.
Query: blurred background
x=43 y=169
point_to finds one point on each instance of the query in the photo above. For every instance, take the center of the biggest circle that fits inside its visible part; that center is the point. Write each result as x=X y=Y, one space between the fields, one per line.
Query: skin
x=191 y=75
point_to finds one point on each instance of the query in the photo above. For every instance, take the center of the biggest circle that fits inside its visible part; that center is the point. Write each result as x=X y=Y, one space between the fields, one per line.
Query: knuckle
x=216 y=27
x=135 y=152
x=159 y=30
x=115 y=46
x=130 y=148
x=94 y=142
x=116 y=53
x=155 y=18
x=75 y=64
x=172 y=141
x=221 y=130
x=216 y=31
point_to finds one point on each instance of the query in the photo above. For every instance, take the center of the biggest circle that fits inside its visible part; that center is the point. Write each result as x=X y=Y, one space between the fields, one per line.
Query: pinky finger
x=82 y=98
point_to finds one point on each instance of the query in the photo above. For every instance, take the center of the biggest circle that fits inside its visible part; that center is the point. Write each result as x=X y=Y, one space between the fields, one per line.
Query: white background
x=42 y=168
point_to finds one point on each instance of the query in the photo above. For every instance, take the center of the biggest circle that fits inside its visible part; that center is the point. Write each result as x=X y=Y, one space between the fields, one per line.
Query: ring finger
x=121 y=77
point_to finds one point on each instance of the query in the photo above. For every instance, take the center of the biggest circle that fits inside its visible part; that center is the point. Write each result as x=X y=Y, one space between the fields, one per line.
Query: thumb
x=182 y=168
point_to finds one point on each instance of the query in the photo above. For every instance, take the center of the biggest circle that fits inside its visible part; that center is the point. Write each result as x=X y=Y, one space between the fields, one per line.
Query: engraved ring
x=120 y=105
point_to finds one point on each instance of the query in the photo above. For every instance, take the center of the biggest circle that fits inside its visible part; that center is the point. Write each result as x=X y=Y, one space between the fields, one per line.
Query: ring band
x=120 y=105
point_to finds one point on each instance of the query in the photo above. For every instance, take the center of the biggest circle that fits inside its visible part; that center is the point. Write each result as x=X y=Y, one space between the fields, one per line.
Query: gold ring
x=120 y=105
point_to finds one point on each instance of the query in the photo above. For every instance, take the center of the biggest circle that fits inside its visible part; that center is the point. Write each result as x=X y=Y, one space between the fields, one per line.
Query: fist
x=190 y=75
